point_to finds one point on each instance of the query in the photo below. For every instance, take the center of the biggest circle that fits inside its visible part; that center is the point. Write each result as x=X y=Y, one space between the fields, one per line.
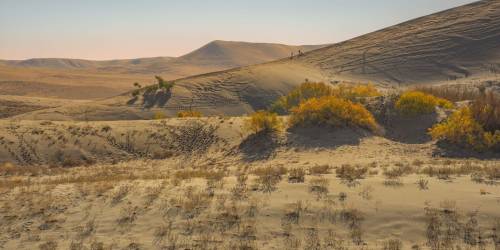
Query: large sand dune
x=457 y=45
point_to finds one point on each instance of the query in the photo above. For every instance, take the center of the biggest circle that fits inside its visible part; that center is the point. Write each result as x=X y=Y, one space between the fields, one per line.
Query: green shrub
x=417 y=103
x=162 y=84
x=332 y=111
x=263 y=121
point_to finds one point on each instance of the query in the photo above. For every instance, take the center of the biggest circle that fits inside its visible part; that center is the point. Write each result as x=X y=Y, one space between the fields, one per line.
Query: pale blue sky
x=111 y=29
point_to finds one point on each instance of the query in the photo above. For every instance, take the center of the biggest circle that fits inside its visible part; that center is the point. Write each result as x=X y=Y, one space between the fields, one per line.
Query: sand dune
x=113 y=77
x=457 y=45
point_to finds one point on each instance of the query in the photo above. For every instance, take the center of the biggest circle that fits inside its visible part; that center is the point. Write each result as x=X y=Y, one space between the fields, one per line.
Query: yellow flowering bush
x=461 y=128
x=310 y=90
x=332 y=111
x=263 y=121
x=417 y=102
x=189 y=113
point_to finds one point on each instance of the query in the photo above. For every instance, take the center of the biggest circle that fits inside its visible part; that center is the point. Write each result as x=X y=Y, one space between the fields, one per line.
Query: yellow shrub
x=416 y=102
x=303 y=92
x=159 y=115
x=309 y=90
x=354 y=92
x=263 y=121
x=189 y=113
x=333 y=111
x=461 y=128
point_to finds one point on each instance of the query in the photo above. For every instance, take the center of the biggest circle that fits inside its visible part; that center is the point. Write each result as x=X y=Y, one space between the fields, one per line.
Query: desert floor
x=215 y=186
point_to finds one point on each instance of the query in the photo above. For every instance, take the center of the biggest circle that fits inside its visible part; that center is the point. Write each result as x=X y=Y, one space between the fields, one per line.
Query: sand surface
x=143 y=184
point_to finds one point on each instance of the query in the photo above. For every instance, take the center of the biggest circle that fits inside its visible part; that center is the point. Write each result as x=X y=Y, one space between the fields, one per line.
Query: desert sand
x=83 y=164
x=202 y=184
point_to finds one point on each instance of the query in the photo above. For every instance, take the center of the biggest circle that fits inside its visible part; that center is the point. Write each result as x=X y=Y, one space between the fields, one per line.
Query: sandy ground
x=218 y=187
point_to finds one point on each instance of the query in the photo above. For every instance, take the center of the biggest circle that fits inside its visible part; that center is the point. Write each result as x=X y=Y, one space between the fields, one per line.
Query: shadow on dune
x=445 y=149
x=410 y=129
x=260 y=146
x=158 y=99
x=133 y=100
x=324 y=137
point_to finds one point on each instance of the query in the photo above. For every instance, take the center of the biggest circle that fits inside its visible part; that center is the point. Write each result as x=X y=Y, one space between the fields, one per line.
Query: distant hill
x=216 y=54
x=44 y=76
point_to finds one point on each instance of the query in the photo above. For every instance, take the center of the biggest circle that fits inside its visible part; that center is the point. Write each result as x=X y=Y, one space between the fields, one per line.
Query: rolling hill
x=65 y=78
x=460 y=45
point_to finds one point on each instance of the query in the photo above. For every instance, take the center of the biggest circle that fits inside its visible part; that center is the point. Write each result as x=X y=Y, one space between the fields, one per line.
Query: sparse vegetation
x=296 y=175
x=162 y=84
x=455 y=93
x=263 y=122
x=189 y=113
x=351 y=173
x=417 y=103
x=159 y=115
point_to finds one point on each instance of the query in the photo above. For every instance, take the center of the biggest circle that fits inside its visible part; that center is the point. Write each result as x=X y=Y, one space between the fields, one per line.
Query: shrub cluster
x=308 y=90
x=305 y=91
x=332 y=111
x=263 y=121
x=189 y=113
x=463 y=129
x=417 y=102
x=162 y=84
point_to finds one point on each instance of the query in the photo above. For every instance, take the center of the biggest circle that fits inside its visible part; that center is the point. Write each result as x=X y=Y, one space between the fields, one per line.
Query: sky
x=118 y=29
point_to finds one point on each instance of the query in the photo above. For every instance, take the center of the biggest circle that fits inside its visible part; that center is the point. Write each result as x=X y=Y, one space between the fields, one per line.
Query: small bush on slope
x=332 y=111
x=416 y=103
x=310 y=90
x=356 y=92
x=263 y=121
x=486 y=111
x=461 y=128
x=162 y=84
x=159 y=115
x=189 y=113
x=303 y=92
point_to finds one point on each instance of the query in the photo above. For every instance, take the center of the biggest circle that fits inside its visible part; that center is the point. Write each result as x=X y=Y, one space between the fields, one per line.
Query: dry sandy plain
x=94 y=171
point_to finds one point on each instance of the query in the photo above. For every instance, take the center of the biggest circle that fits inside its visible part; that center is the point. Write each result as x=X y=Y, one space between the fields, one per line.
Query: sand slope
x=457 y=45
x=109 y=78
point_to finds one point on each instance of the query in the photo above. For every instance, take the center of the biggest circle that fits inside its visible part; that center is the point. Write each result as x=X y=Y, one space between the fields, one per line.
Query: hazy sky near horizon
x=113 y=29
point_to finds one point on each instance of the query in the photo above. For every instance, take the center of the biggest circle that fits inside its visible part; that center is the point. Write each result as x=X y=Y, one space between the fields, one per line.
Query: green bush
x=162 y=84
